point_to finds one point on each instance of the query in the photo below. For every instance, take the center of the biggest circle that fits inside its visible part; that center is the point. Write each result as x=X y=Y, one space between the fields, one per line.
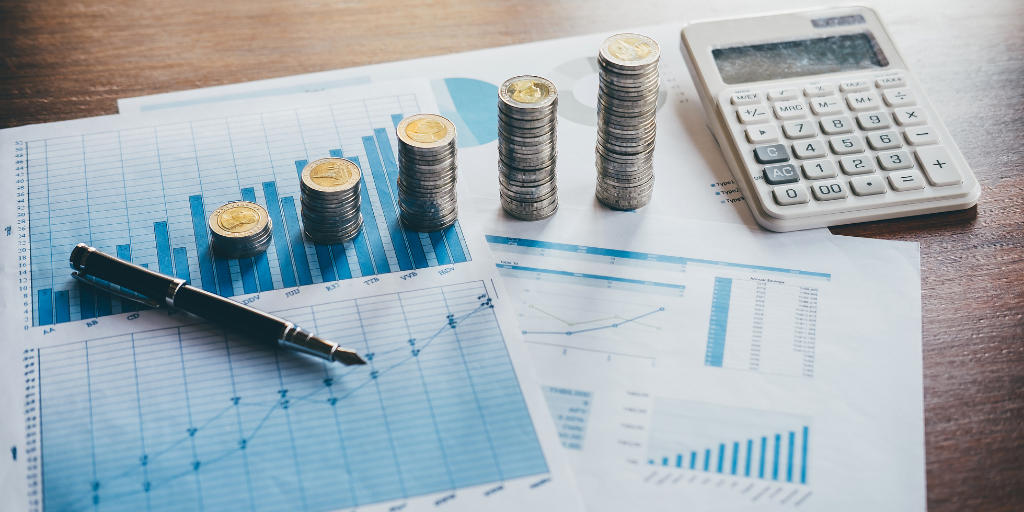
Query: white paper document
x=693 y=180
x=695 y=366
x=111 y=407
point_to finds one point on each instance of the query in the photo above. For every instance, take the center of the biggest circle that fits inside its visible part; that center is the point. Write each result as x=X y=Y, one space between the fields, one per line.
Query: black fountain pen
x=175 y=293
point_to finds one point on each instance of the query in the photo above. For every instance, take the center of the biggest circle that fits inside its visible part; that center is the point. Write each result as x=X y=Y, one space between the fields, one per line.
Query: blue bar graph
x=803 y=459
x=396 y=119
x=721 y=456
x=679 y=461
x=86 y=301
x=775 y=459
x=45 y=307
x=707 y=459
x=341 y=262
x=764 y=445
x=199 y=228
x=163 y=248
x=735 y=455
x=451 y=235
x=284 y=256
x=437 y=240
x=295 y=238
x=391 y=167
x=693 y=460
x=223 y=269
x=719 y=321
x=664 y=461
x=789 y=458
x=181 y=264
x=387 y=203
x=62 y=306
x=370 y=228
x=248 y=273
x=750 y=450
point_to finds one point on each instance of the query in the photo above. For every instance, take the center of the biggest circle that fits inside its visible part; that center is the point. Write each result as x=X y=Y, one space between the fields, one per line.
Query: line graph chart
x=144 y=194
x=612 y=322
x=192 y=418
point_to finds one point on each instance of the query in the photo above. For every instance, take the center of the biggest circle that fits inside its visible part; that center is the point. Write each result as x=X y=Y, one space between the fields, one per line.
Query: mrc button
x=780 y=174
x=771 y=154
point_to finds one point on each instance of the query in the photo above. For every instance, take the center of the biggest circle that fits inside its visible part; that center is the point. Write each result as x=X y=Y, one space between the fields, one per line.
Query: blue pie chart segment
x=472 y=105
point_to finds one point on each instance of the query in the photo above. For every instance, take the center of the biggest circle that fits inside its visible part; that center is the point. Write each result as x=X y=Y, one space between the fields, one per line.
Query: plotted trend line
x=451 y=323
x=610 y=326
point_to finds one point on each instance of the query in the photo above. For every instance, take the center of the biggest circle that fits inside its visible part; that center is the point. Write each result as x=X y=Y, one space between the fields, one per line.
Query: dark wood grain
x=65 y=60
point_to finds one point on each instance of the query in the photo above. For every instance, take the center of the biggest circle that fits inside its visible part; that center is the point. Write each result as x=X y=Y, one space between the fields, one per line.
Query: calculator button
x=771 y=154
x=868 y=185
x=873 y=121
x=753 y=115
x=781 y=174
x=827 y=105
x=846 y=144
x=856 y=86
x=884 y=140
x=809 y=149
x=798 y=129
x=746 y=98
x=819 y=169
x=901 y=97
x=783 y=94
x=857 y=164
x=906 y=180
x=829 y=190
x=861 y=101
x=819 y=90
x=894 y=160
x=836 y=125
x=791 y=194
x=910 y=116
x=921 y=136
x=790 y=109
x=890 y=81
x=762 y=134
x=938 y=166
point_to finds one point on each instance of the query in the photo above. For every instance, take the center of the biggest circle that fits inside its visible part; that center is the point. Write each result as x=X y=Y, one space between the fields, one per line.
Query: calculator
x=821 y=122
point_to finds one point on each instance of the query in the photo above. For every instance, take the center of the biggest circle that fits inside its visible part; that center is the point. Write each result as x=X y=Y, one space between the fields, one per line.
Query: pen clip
x=124 y=293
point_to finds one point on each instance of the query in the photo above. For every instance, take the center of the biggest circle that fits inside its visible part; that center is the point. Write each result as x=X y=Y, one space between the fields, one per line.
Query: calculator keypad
x=853 y=144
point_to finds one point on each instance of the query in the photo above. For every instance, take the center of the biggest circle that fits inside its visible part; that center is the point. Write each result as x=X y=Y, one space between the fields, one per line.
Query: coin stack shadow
x=427 y=172
x=331 y=206
x=627 y=105
x=240 y=229
x=527 y=118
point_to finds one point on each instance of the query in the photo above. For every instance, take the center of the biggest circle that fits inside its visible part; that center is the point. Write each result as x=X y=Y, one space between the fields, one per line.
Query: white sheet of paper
x=693 y=180
x=702 y=366
x=110 y=408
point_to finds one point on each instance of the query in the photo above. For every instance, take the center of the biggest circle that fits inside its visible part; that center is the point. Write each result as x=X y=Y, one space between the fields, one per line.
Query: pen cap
x=125 y=274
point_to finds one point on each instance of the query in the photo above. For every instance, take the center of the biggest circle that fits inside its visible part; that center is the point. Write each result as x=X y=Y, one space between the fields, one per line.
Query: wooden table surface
x=66 y=60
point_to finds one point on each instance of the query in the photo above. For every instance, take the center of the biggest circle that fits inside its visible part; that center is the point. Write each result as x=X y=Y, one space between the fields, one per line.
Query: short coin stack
x=329 y=189
x=427 y=172
x=240 y=229
x=527 y=115
x=627 y=103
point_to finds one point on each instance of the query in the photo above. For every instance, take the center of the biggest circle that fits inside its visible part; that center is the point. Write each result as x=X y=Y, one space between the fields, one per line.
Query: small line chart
x=610 y=322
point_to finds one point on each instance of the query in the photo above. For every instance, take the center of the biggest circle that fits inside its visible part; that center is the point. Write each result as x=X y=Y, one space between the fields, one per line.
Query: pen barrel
x=259 y=325
x=120 y=272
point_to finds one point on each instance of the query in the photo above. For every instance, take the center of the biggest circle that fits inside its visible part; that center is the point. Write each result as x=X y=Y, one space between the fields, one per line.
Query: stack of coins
x=329 y=189
x=427 y=170
x=527 y=115
x=627 y=103
x=240 y=229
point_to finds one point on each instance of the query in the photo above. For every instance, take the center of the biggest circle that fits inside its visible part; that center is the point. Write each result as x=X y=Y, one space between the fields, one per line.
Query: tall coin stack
x=627 y=103
x=427 y=170
x=329 y=191
x=527 y=115
x=240 y=229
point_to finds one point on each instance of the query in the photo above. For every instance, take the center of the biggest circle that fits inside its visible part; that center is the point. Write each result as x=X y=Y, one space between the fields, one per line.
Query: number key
x=809 y=149
x=798 y=129
x=791 y=194
x=894 y=160
x=829 y=190
x=873 y=121
x=857 y=164
x=846 y=144
x=819 y=169
x=836 y=125
x=884 y=140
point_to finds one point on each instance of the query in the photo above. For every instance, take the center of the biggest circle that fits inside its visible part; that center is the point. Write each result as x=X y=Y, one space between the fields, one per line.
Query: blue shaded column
x=295 y=238
x=803 y=459
x=664 y=461
x=248 y=274
x=124 y=252
x=775 y=460
x=86 y=301
x=693 y=460
x=299 y=166
x=719 y=320
x=440 y=248
x=359 y=243
x=764 y=445
x=707 y=459
x=44 y=304
x=679 y=461
x=103 y=303
x=373 y=239
x=163 y=248
x=750 y=449
x=454 y=245
x=206 y=275
x=224 y=287
x=396 y=119
x=62 y=306
x=789 y=457
x=341 y=262
x=412 y=238
x=387 y=204
x=721 y=456
x=284 y=257
x=266 y=281
x=735 y=456
x=181 y=264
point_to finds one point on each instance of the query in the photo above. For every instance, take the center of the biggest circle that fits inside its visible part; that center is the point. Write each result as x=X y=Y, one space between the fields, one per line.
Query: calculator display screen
x=772 y=61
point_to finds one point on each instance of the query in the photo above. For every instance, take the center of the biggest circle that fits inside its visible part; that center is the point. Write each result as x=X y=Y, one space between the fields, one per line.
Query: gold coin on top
x=331 y=174
x=426 y=131
x=630 y=50
x=528 y=91
x=238 y=219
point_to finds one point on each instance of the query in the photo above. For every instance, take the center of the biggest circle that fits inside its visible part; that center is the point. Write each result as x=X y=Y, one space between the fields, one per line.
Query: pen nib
x=347 y=357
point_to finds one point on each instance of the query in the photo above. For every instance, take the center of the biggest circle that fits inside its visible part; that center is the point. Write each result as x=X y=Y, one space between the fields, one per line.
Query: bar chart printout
x=145 y=195
x=737 y=442
x=190 y=418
